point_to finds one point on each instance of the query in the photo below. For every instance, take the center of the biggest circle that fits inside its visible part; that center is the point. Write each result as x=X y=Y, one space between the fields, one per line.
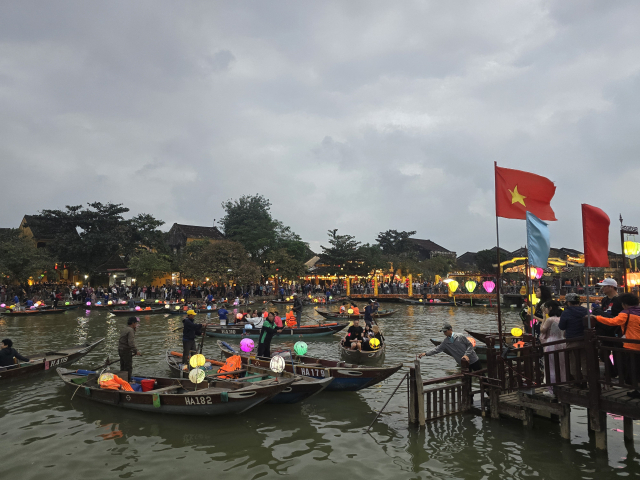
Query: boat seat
x=258 y=375
x=165 y=389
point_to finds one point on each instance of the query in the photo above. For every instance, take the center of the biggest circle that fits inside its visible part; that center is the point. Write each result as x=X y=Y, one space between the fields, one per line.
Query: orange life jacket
x=114 y=382
x=291 y=319
x=231 y=365
x=356 y=311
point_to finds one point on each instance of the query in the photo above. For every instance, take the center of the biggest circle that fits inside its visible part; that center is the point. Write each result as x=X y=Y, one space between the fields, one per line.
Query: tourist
x=356 y=310
x=343 y=308
x=353 y=339
x=610 y=307
x=572 y=323
x=297 y=308
x=8 y=353
x=629 y=320
x=456 y=345
x=127 y=346
x=550 y=332
x=368 y=311
x=266 y=334
x=189 y=332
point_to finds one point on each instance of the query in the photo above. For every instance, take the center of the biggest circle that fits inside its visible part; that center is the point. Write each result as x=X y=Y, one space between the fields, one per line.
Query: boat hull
x=233 y=331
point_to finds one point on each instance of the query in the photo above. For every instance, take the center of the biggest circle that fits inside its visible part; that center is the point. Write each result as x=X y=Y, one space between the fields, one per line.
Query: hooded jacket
x=631 y=330
x=571 y=321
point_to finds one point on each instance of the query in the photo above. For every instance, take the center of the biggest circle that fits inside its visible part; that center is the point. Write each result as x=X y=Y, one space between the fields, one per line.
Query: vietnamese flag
x=519 y=192
x=595 y=232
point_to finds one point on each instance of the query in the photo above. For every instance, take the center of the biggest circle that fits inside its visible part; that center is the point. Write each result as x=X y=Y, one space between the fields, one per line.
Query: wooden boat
x=346 y=377
x=428 y=303
x=335 y=315
x=179 y=396
x=301 y=389
x=360 y=357
x=121 y=312
x=37 y=311
x=236 y=331
x=44 y=362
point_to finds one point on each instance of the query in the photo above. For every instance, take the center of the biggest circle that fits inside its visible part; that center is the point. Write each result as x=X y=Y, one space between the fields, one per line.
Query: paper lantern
x=631 y=249
x=109 y=302
x=197 y=375
x=516 y=332
x=182 y=299
x=246 y=345
x=88 y=303
x=420 y=300
x=470 y=286
x=138 y=308
x=330 y=297
x=277 y=364
x=2 y=305
x=66 y=303
x=177 y=307
x=300 y=348
x=142 y=299
x=374 y=343
x=208 y=307
x=157 y=301
x=488 y=286
x=239 y=316
x=350 y=311
x=197 y=360
x=532 y=273
x=167 y=306
x=98 y=303
x=539 y=273
x=453 y=286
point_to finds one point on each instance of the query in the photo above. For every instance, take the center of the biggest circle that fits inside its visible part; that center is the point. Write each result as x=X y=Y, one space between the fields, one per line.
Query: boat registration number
x=198 y=401
x=230 y=331
x=311 y=372
x=52 y=363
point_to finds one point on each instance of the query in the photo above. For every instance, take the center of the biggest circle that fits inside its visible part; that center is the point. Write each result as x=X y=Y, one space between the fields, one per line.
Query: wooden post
x=413 y=416
x=628 y=429
x=419 y=394
x=600 y=429
x=527 y=420
x=565 y=422
x=467 y=396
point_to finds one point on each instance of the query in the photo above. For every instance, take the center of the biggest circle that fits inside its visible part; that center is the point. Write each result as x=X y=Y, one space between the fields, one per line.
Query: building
x=467 y=262
x=427 y=249
x=181 y=235
x=40 y=231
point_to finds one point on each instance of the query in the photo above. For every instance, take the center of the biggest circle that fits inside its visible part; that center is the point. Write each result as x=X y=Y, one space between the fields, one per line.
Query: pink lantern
x=246 y=345
x=88 y=304
x=2 y=306
x=239 y=316
x=138 y=308
x=489 y=285
x=539 y=273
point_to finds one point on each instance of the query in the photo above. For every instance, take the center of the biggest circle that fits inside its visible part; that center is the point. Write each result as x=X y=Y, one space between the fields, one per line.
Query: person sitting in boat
x=356 y=310
x=456 y=345
x=8 y=353
x=256 y=319
x=343 y=308
x=29 y=303
x=353 y=339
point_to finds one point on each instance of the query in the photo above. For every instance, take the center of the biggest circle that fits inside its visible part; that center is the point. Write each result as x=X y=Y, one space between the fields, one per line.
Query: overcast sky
x=356 y=115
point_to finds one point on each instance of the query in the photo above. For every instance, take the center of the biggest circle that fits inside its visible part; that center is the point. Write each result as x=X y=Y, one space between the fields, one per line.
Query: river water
x=45 y=434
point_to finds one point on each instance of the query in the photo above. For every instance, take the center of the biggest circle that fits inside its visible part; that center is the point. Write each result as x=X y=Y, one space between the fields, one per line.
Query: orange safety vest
x=115 y=383
x=291 y=319
x=232 y=364
x=356 y=311
x=343 y=309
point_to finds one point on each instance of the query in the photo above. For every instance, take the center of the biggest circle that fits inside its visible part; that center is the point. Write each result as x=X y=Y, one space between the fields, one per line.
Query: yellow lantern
x=350 y=311
x=631 y=249
x=470 y=285
x=533 y=271
x=453 y=286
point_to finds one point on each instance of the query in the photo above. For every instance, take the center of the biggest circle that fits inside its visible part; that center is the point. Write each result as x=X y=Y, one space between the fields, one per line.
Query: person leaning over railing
x=629 y=320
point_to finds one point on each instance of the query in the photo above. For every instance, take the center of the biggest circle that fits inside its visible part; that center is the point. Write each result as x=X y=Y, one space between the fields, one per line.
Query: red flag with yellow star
x=518 y=192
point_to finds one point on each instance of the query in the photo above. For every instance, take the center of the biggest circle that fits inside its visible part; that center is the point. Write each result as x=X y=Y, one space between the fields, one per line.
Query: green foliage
x=282 y=263
x=220 y=261
x=248 y=221
x=486 y=259
x=437 y=266
x=20 y=259
x=393 y=242
x=342 y=254
x=88 y=237
x=146 y=266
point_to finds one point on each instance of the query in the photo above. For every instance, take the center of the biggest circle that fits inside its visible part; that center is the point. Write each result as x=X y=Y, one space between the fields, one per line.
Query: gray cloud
x=361 y=116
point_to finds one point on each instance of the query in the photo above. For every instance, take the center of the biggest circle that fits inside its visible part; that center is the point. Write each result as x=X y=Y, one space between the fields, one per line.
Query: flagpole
x=498 y=281
x=586 y=281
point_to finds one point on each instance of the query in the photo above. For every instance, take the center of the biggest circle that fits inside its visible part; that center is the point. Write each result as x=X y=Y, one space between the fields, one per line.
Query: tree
x=146 y=266
x=393 y=242
x=486 y=259
x=221 y=261
x=248 y=221
x=89 y=236
x=20 y=259
x=437 y=266
x=342 y=253
x=282 y=263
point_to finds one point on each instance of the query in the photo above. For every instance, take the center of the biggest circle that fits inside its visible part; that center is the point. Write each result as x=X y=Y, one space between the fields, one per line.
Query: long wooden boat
x=335 y=315
x=236 y=331
x=37 y=311
x=360 y=357
x=429 y=304
x=179 y=396
x=301 y=389
x=128 y=312
x=44 y=362
x=346 y=377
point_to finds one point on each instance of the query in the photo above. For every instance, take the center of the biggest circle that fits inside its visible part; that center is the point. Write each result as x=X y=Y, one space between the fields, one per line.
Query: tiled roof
x=193 y=231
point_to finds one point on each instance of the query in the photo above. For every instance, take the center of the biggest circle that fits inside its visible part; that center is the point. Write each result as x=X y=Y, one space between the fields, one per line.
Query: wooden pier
x=514 y=387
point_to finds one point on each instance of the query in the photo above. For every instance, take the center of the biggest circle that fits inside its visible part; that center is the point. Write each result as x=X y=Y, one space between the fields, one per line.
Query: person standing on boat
x=368 y=310
x=266 y=334
x=189 y=332
x=127 y=346
x=7 y=354
x=456 y=345
x=297 y=308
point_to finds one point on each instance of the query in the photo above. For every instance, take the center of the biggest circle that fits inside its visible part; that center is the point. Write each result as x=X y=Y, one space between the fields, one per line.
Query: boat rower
x=266 y=334
x=8 y=353
x=189 y=333
x=456 y=345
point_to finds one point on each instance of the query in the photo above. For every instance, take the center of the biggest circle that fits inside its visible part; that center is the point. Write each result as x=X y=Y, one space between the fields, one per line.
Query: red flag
x=518 y=192
x=595 y=231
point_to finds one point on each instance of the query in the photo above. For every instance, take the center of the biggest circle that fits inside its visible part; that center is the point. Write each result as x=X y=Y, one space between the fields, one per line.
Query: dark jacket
x=571 y=321
x=297 y=305
x=190 y=330
x=7 y=354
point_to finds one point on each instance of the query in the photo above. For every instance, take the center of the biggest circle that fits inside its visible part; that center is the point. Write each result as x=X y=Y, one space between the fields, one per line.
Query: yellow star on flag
x=517 y=197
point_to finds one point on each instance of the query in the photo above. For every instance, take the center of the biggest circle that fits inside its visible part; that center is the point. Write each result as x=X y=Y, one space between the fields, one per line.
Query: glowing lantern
x=453 y=286
x=516 y=332
x=631 y=249
x=167 y=306
x=197 y=360
x=350 y=311
x=239 y=316
x=374 y=343
x=2 y=305
x=142 y=299
x=300 y=348
x=532 y=273
x=157 y=301
x=197 y=375
x=277 y=364
x=472 y=341
x=488 y=286
x=98 y=303
x=177 y=307
x=88 y=304
x=109 y=302
x=246 y=345
x=420 y=300
x=66 y=303
x=208 y=307
x=138 y=308
x=182 y=299
x=470 y=285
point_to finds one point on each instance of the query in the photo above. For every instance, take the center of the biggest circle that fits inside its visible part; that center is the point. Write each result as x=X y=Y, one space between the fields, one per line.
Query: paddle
x=204 y=332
